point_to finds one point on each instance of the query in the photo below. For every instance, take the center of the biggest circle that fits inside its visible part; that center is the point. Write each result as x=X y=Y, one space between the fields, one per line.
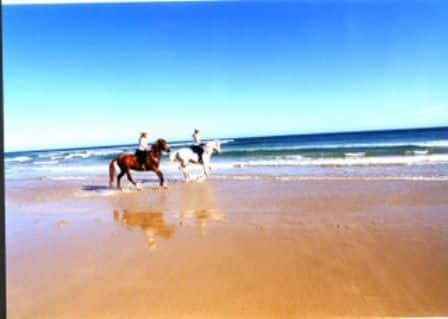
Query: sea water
x=394 y=154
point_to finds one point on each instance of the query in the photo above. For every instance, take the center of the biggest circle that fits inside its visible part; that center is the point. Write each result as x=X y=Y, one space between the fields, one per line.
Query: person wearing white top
x=197 y=146
x=143 y=141
x=196 y=137
x=142 y=149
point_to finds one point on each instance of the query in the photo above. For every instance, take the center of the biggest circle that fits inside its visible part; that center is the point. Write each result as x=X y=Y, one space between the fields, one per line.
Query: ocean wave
x=355 y=154
x=226 y=141
x=350 y=161
x=331 y=177
x=435 y=143
x=19 y=159
x=78 y=155
x=64 y=168
x=45 y=162
x=420 y=152
x=108 y=152
x=328 y=152
x=56 y=157
x=341 y=146
x=430 y=143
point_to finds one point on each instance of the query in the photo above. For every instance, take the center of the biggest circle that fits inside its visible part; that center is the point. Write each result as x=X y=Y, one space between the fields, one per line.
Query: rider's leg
x=143 y=155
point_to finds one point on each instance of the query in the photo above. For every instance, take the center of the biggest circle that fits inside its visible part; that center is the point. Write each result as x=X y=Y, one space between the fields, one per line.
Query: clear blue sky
x=96 y=74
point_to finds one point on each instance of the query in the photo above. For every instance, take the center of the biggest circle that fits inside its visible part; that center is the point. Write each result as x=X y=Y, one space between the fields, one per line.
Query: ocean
x=420 y=154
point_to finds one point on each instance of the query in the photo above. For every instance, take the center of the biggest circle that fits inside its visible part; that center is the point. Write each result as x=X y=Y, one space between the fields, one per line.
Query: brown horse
x=128 y=162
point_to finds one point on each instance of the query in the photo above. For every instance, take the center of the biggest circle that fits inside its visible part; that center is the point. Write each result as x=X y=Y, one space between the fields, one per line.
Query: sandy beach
x=227 y=249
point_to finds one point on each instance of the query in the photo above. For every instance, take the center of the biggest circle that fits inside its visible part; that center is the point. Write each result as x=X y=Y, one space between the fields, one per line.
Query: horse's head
x=214 y=146
x=162 y=145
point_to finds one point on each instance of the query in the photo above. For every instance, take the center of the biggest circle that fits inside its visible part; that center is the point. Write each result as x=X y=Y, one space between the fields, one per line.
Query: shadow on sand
x=95 y=188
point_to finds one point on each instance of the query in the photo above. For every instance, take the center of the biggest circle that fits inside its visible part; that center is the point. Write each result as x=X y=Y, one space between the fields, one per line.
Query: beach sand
x=227 y=249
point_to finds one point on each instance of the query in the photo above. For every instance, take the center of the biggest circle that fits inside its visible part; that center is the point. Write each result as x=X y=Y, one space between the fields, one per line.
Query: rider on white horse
x=197 y=146
x=186 y=156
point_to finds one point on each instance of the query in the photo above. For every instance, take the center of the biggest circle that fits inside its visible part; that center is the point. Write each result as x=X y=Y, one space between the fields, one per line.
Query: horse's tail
x=173 y=156
x=112 y=171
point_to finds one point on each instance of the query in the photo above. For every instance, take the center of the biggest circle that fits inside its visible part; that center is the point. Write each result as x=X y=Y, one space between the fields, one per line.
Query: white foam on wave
x=20 y=159
x=79 y=155
x=423 y=152
x=174 y=166
x=430 y=143
x=63 y=178
x=435 y=143
x=107 y=152
x=52 y=167
x=62 y=168
x=330 y=177
x=226 y=141
x=355 y=154
x=46 y=162
x=350 y=161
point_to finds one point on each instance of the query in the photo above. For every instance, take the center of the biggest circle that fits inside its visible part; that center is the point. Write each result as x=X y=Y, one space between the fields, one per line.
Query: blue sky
x=96 y=74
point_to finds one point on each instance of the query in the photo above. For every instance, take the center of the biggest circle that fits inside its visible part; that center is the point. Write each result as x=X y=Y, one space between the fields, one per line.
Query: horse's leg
x=128 y=174
x=183 y=168
x=205 y=166
x=185 y=172
x=119 y=178
x=161 y=179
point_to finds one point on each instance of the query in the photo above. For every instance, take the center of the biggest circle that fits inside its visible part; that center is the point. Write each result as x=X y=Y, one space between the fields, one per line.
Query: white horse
x=186 y=156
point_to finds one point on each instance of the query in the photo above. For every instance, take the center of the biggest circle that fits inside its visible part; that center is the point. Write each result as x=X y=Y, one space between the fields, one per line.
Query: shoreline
x=228 y=248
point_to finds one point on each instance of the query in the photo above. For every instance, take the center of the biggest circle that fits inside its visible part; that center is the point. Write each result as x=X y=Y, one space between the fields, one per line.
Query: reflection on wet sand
x=198 y=201
x=152 y=223
x=202 y=216
x=195 y=202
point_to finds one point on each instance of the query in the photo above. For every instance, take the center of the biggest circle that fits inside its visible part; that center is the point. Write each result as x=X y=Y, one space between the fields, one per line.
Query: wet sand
x=227 y=249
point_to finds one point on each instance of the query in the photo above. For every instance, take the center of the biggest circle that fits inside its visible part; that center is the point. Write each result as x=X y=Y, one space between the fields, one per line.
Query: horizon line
x=246 y=136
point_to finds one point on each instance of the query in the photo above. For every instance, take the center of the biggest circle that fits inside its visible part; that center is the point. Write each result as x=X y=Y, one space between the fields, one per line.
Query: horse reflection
x=202 y=216
x=197 y=201
x=152 y=223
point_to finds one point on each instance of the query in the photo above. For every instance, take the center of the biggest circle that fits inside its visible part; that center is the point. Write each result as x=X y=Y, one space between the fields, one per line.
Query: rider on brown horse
x=128 y=162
